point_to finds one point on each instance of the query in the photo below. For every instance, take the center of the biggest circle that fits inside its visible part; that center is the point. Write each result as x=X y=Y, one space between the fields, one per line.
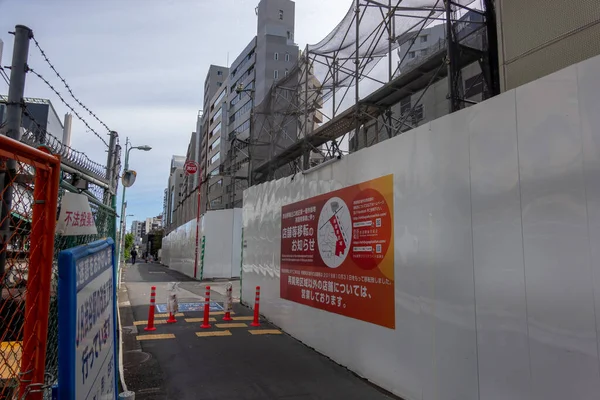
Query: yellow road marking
x=243 y=318
x=199 y=320
x=167 y=315
x=156 y=337
x=213 y=333
x=156 y=322
x=232 y=325
x=265 y=331
x=220 y=313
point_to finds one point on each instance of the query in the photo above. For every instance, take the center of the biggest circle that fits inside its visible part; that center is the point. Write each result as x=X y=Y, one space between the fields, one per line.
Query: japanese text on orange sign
x=337 y=252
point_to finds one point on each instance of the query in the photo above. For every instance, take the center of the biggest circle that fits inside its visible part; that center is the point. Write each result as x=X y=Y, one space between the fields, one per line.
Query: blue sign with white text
x=87 y=346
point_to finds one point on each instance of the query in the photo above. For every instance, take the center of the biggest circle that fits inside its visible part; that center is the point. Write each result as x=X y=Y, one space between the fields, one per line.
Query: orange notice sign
x=337 y=252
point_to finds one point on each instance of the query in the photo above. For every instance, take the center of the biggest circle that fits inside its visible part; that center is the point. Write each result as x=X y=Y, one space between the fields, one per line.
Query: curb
x=127 y=330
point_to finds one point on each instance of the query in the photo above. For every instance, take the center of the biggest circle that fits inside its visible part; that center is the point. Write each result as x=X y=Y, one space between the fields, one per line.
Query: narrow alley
x=229 y=361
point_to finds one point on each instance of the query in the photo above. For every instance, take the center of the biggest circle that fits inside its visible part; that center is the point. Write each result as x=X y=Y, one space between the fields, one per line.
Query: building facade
x=228 y=116
x=174 y=188
x=138 y=230
x=42 y=113
x=538 y=37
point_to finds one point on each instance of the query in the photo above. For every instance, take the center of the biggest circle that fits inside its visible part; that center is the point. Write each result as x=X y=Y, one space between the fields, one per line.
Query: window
x=242 y=127
x=219 y=84
x=216 y=130
x=280 y=14
x=289 y=34
x=217 y=115
x=219 y=73
x=474 y=86
x=423 y=39
x=276 y=56
x=287 y=56
x=219 y=98
x=215 y=186
x=215 y=158
x=286 y=72
x=405 y=105
x=214 y=172
x=214 y=144
x=276 y=74
x=411 y=54
x=424 y=52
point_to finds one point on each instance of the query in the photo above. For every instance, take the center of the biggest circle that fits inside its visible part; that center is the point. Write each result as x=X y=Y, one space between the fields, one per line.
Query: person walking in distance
x=133 y=256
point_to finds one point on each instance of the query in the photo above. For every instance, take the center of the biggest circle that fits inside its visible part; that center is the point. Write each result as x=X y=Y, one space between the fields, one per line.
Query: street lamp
x=128 y=148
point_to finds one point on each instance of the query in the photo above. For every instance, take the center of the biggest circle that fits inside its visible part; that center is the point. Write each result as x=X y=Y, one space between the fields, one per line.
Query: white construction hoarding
x=219 y=242
x=496 y=263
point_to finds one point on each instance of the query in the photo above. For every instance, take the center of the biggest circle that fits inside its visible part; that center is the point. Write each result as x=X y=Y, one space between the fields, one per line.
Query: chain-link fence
x=29 y=181
x=104 y=218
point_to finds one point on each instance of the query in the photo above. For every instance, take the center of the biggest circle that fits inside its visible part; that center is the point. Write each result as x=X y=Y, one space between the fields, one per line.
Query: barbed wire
x=67 y=86
x=69 y=155
x=4 y=75
x=68 y=105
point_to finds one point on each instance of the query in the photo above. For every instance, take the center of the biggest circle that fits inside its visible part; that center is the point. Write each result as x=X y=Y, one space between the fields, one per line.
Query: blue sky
x=140 y=66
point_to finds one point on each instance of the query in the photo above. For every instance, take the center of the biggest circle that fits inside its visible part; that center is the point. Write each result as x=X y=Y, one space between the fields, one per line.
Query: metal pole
x=197 y=231
x=121 y=235
x=250 y=133
x=306 y=161
x=110 y=168
x=390 y=19
x=335 y=76
x=492 y=52
x=391 y=32
x=451 y=59
x=16 y=92
x=357 y=67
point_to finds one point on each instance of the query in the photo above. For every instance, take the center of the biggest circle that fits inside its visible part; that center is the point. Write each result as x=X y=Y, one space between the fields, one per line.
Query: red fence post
x=151 y=326
x=256 y=321
x=37 y=302
x=205 y=324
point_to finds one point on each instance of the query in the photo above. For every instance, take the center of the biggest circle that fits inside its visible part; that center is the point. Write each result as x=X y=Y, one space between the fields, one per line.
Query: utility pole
x=16 y=92
x=110 y=169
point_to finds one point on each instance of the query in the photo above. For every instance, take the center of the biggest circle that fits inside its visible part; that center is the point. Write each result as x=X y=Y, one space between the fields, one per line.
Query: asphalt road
x=238 y=366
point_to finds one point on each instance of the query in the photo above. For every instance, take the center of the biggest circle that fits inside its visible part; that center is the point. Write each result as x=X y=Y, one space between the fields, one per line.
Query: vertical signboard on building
x=337 y=252
x=87 y=322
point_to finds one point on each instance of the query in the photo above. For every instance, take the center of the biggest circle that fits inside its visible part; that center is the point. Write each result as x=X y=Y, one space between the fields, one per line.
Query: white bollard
x=127 y=395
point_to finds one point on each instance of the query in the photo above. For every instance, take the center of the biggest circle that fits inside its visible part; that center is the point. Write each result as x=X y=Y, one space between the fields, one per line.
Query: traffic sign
x=190 y=167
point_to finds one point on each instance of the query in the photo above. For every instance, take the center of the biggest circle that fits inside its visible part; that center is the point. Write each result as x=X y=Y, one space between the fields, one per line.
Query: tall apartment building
x=174 y=192
x=267 y=57
x=153 y=223
x=138 y=229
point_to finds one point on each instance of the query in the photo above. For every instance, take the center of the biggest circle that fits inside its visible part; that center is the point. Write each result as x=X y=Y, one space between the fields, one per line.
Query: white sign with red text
x=75 y=216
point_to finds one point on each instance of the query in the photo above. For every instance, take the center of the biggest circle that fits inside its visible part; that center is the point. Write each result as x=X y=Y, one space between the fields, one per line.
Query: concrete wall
x=222 y=232
x=497 y=267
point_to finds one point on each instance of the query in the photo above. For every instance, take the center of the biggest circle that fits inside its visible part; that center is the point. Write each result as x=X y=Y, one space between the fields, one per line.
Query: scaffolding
x=308 y=113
